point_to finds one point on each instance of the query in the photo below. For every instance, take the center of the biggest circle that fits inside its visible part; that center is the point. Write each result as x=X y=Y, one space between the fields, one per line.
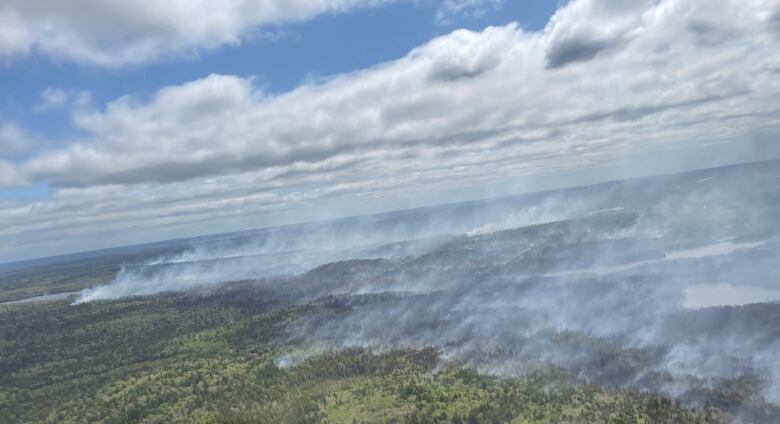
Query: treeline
x=175 y=359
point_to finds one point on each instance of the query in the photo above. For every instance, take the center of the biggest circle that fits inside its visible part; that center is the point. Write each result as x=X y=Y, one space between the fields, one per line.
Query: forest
x=207 y=359
x=506 y=310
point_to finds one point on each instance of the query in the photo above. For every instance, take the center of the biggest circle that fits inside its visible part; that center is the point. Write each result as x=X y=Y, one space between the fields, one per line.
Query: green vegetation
x=70 y=273
x=197 y=360
x=56 y=278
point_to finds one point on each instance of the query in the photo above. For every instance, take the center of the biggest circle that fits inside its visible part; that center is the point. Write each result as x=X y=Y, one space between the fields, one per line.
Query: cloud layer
x=604 y=79
x=471 y=8
x=111 y=33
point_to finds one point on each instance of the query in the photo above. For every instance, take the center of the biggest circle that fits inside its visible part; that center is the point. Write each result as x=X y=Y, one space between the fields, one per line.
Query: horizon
x=207 y=236
x=279 y=116
x=390 y=211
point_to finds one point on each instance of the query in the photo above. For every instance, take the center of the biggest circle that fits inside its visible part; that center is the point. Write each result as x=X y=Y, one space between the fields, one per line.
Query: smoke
x=663 y=283
x=292 y=250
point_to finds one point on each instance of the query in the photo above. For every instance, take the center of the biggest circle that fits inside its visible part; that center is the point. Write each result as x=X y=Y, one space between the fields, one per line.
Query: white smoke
x=606 y=282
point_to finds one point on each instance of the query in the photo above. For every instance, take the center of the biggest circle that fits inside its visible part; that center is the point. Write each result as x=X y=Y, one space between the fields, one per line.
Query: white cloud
x=13 y=141
x=451 y=9
x=467 y=107
x=587 y=28
x=58 y=98
x=114 y=33
x=51 y=98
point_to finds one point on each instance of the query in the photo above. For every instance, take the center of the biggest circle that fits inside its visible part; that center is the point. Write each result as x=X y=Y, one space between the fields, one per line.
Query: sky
x=128 y=122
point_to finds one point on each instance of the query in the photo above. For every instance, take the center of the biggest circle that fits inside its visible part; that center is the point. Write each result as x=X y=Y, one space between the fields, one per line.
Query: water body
x=43 y=298
x=725 y=294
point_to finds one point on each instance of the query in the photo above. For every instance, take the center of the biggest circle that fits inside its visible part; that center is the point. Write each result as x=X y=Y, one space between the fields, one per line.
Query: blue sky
x=326 y=46
x=129 y=122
